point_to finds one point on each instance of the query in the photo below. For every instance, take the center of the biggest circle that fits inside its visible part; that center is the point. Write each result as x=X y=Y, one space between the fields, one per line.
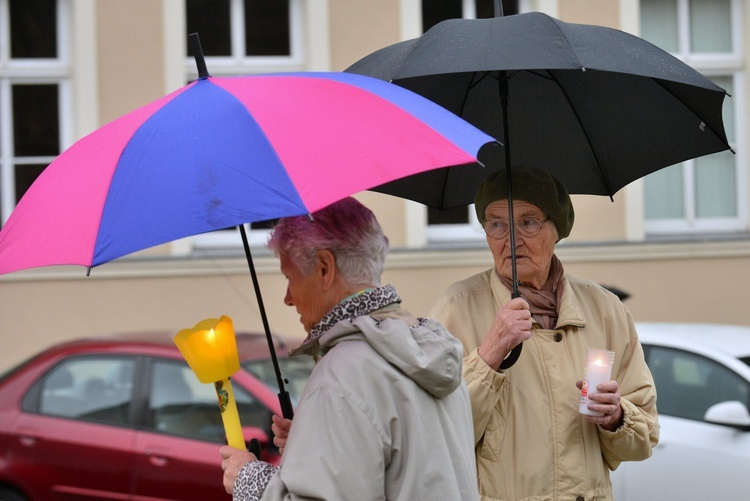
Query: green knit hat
x=535 y=186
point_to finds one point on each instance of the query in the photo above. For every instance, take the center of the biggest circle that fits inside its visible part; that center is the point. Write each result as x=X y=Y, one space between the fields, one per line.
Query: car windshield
x=295 y=372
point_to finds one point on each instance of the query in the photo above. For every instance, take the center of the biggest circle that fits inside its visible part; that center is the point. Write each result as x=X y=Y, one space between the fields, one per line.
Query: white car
x=702 y=375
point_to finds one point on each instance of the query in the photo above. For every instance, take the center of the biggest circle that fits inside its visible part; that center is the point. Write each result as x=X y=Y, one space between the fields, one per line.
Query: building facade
x=676 y=241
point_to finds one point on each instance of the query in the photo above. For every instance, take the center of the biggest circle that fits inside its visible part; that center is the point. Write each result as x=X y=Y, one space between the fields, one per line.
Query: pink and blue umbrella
x=225 y=151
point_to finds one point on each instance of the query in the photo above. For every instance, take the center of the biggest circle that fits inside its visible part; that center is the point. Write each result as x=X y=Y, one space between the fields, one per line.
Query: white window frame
x=31 y=71
x=238 y=63
x=724 y=64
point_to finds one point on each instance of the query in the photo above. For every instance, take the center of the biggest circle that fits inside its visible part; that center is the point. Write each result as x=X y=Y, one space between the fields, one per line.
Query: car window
x=181 y=405
x=89 y=388
x=294 y=370
x=688 y=384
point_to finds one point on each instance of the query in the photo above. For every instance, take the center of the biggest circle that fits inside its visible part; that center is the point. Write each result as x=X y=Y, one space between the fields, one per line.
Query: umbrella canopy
x=221 y=152
x=596 y=107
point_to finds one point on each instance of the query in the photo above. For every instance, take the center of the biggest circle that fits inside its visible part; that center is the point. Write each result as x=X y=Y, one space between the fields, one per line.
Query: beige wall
x=601 y=12
x=358 y=28
x=130 y=55
x=703 y=282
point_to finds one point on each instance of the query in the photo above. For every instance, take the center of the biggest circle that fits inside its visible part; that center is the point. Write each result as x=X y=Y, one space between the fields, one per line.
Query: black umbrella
x=596 y=107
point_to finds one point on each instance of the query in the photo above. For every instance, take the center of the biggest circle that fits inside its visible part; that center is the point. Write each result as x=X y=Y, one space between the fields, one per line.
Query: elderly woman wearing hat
x=530 y=440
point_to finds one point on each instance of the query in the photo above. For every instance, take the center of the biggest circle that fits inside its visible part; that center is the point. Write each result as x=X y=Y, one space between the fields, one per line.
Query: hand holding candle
x=598 y=370
x=210 y=349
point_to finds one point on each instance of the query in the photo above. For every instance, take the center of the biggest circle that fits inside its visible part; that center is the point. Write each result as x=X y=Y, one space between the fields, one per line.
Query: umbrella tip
x=200 y=61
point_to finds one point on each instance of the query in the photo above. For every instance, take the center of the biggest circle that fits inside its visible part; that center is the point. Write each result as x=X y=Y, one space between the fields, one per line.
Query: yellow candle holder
x=210 y=349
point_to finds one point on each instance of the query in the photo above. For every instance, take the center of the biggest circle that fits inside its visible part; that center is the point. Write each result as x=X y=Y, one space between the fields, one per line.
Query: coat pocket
x=491 y=445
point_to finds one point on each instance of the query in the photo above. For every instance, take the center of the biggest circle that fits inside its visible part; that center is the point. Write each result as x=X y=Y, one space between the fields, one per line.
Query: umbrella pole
x=284 y=398
x=512 y=358
x=498 y=8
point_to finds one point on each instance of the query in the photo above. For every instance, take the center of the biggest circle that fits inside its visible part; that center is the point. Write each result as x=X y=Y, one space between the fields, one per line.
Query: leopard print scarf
x=360 y=304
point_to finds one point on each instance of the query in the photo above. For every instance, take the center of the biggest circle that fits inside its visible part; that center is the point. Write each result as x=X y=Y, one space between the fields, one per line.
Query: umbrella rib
x=660 y=83
x=602 y=174
x=469 y=87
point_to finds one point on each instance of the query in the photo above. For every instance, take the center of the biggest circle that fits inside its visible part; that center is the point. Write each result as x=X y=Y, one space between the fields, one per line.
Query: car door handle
x=157 y=457
x=28 y=437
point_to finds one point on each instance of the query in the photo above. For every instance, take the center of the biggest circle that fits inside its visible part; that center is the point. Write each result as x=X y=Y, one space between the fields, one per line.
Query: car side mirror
x=732 y=413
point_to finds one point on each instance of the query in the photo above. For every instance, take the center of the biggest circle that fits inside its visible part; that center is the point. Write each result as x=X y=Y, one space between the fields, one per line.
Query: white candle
x=598 y=370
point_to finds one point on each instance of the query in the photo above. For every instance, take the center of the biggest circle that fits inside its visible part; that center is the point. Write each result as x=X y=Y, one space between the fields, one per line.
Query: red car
x=124 y=417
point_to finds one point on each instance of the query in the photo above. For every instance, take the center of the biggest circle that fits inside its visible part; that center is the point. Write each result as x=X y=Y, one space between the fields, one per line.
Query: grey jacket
x=385 y=415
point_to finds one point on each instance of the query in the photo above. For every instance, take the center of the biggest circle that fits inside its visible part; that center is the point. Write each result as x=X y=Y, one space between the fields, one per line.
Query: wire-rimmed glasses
x=527 y=226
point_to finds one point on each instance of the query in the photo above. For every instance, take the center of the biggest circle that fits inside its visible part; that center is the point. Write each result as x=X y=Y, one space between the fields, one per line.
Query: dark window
x=459 y=215
x=33 y=29
x=267 y=28
x=688 y=384
x=35 y=120
x=182 y=405
x=25 y=175
x=434 y=11
x=265 y=23
x=210 y=19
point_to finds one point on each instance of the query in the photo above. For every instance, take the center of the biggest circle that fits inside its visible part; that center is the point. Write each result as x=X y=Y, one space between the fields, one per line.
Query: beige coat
x=531 y=442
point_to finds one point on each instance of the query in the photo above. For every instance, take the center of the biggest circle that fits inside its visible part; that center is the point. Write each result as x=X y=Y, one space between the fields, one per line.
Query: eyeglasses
x=527 y=227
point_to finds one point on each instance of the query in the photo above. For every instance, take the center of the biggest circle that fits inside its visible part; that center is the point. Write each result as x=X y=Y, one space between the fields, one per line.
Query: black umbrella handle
x=285 y=400
x=512 y=357
x=502 y=85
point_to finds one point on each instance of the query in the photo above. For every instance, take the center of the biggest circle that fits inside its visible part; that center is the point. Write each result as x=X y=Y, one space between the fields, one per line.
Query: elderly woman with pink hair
x=385 y=414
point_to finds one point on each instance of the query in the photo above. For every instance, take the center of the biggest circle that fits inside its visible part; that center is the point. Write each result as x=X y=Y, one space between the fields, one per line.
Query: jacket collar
x=569 y=310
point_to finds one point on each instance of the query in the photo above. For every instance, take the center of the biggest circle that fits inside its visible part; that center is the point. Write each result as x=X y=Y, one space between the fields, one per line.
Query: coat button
x=580 y=498
x=558 y=338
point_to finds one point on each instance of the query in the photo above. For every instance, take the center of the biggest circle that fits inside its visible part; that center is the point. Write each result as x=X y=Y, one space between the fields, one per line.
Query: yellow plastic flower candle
x=210 y=349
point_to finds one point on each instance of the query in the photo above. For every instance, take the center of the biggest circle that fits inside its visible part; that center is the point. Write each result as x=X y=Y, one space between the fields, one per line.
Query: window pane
x=486 y=8
x=210 y=19
x=33 y=32
x=710 y=26
x=434 y=11
x=267 y=28
x=458 y=215
x=25 y=175
x=35 y=120
x=689 y=384
x=664 y=193
x=182 y=405
x=727 y=111
x=715 y=186
x=92 y=389
x=659 y=23
x=715 y=175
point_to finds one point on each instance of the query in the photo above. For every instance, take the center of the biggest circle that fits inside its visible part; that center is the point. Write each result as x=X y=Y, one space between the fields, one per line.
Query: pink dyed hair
x=347 y=228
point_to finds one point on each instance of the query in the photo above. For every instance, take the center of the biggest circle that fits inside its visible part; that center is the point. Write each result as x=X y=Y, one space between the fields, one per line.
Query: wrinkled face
x=304 y=292
x=533 y=254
